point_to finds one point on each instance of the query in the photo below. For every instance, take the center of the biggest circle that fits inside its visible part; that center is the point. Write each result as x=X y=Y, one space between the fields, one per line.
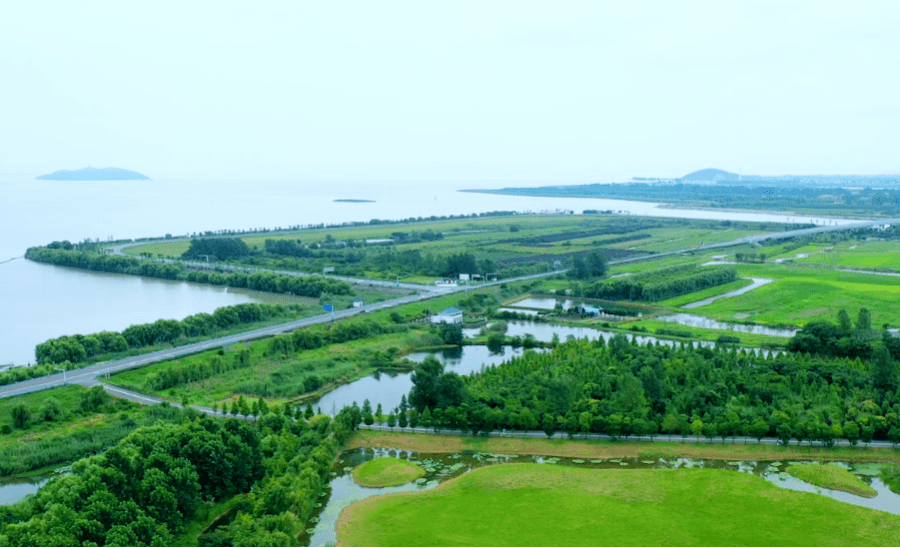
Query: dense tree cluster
x=221 y=249
x=594 y=265
x=843 y=340
x=661 y=284
x=82 y=348
x=298 y=458
x=624 y=389
x=142 y=490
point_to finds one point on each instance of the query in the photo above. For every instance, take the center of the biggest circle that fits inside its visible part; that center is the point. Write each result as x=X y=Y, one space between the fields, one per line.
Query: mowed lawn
x=550 y=505
x=800 y=295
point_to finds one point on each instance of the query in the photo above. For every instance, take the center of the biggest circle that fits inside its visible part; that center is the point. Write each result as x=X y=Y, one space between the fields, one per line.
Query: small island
x=387 y=472
x=94 y=174
x=353 y=201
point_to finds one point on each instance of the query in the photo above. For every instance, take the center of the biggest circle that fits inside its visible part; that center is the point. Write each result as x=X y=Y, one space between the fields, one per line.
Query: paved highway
x=88 y=375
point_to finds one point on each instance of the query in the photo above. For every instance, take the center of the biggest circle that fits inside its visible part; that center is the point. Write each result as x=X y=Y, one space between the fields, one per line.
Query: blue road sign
x=329 y=308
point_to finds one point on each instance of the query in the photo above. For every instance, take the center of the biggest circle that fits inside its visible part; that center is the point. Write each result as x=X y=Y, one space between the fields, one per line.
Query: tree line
x=304 y=286
x=661 y=284
x=75 y=349
x=625 y=389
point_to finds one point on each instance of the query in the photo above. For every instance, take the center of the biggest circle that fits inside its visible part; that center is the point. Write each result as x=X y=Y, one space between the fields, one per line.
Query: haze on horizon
x=450 y=90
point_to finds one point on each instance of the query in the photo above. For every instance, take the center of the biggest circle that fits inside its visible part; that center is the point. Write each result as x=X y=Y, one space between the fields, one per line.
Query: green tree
x=697 y=428
x=549 y=424
x=20 y=415
x=51 y=411
x=844 y=322
x=851 y=432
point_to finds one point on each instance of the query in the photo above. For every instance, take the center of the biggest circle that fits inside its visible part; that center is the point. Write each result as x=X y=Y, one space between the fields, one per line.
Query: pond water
x=343 y=491
x=691 y=320
x=386 y=389
x=757 y=282
x=14 y=489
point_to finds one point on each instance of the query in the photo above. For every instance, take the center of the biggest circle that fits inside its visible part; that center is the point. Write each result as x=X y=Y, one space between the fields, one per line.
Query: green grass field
x=547 y=505
x=831 y=477
x=386 y=472
x=803 y=294
x=682 y=300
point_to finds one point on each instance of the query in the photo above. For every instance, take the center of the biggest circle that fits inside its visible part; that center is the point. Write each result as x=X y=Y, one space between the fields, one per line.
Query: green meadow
x=802 y=294
x=549 y=505
x=387 y=472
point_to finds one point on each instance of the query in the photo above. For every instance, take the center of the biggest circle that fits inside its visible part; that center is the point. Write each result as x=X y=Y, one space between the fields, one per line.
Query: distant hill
x=711 y=175
x=94 y=174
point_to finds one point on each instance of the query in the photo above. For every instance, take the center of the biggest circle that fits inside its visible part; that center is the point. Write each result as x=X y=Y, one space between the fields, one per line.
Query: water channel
x=691 y=320
x=343 y=491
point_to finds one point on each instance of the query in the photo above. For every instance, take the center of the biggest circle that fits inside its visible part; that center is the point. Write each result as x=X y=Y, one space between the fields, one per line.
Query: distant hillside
x=710 y=175
x=94 y=174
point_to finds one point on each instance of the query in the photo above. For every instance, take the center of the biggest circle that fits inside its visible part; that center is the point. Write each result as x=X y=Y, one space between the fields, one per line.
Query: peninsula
x=94 y=174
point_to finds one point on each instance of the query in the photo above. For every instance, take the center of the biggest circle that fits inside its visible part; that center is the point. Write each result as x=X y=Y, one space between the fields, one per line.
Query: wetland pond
x=439 y=467
x=387 y=388
x=15 y=488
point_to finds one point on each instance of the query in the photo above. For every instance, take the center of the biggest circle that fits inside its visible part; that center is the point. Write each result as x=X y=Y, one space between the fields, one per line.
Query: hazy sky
x=428 y=89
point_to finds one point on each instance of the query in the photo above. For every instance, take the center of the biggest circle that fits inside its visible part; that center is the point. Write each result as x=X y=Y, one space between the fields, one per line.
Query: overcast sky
x=558 y=90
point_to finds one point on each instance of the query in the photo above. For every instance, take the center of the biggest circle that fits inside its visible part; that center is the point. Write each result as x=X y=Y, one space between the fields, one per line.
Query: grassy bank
x=831 y=477
x=592 y=449
x=541 y=505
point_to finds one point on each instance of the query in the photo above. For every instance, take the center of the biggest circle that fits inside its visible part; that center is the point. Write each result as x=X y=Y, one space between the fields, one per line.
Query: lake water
x=343 y=491
x=38 y=302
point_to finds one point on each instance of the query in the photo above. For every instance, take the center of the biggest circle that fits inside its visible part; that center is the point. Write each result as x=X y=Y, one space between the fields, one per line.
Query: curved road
x=88 y=375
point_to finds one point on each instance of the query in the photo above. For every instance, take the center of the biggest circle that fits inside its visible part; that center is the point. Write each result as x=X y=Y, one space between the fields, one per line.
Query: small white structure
x=357 y=303
x=448 y=315
x=464 y=277
x=445 y=281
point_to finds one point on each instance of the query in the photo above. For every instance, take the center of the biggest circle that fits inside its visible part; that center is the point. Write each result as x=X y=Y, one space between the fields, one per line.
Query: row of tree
x=623 y=389
x=662 y=284
x=76 y=349
x=305 y=286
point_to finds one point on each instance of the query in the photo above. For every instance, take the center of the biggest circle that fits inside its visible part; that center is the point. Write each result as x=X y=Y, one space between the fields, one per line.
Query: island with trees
x=94 y=174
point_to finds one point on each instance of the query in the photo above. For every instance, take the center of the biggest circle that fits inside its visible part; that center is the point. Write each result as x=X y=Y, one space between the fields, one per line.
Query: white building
x=448 y=315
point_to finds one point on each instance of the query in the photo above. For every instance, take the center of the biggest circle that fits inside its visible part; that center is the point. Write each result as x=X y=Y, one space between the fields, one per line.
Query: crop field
x=869 y=255
x=548 y=505
x=520 y=239
x=800 y=295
